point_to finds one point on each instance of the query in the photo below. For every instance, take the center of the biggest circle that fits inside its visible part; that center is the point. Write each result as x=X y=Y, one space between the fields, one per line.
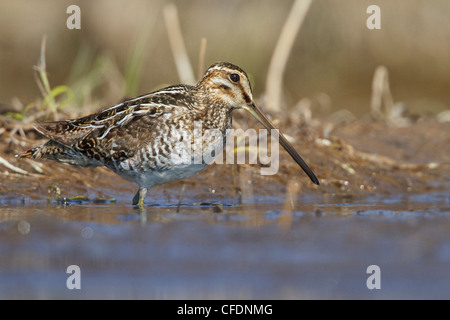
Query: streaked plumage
x=137 y=138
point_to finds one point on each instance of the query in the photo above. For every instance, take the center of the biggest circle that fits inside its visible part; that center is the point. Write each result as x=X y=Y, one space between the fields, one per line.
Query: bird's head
x=229 y=85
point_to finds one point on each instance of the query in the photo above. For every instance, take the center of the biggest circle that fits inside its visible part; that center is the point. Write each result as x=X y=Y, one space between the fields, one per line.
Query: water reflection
x=317 y=249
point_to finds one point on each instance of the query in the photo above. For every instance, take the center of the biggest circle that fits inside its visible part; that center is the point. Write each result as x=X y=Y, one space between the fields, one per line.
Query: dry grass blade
x=274 y=82
x=36 y=166
x=12 y=167
x=42 y=79
x=41 y=68
x=381 y=93
x=201 y=58
x=393 y=113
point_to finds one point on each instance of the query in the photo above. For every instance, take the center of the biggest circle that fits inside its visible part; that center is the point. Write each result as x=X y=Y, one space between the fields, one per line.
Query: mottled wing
x=119 y=137
x=117 y=133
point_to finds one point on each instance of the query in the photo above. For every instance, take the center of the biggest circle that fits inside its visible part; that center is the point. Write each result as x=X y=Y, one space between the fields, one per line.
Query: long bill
x=259 y=115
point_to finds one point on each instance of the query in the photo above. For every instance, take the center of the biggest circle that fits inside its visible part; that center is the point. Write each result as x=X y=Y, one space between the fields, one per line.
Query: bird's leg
x=139 y=197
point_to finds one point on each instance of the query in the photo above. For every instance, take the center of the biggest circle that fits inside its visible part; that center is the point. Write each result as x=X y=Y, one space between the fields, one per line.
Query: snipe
x=138 y=138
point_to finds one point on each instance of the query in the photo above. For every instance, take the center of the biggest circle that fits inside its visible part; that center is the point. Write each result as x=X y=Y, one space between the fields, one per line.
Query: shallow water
x=320 y=250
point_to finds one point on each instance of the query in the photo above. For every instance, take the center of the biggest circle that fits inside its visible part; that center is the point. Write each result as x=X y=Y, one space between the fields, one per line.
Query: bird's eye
x=235 y=77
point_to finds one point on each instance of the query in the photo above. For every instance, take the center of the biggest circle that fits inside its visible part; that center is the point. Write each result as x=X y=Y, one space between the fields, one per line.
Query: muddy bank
x=351 y=160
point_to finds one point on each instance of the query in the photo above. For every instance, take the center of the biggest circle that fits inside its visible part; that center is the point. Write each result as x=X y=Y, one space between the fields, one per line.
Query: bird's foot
x=138 y=199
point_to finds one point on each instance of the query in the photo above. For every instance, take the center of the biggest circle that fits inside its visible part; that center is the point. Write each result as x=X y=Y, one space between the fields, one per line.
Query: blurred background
x=384 y=193
x=123 y=49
